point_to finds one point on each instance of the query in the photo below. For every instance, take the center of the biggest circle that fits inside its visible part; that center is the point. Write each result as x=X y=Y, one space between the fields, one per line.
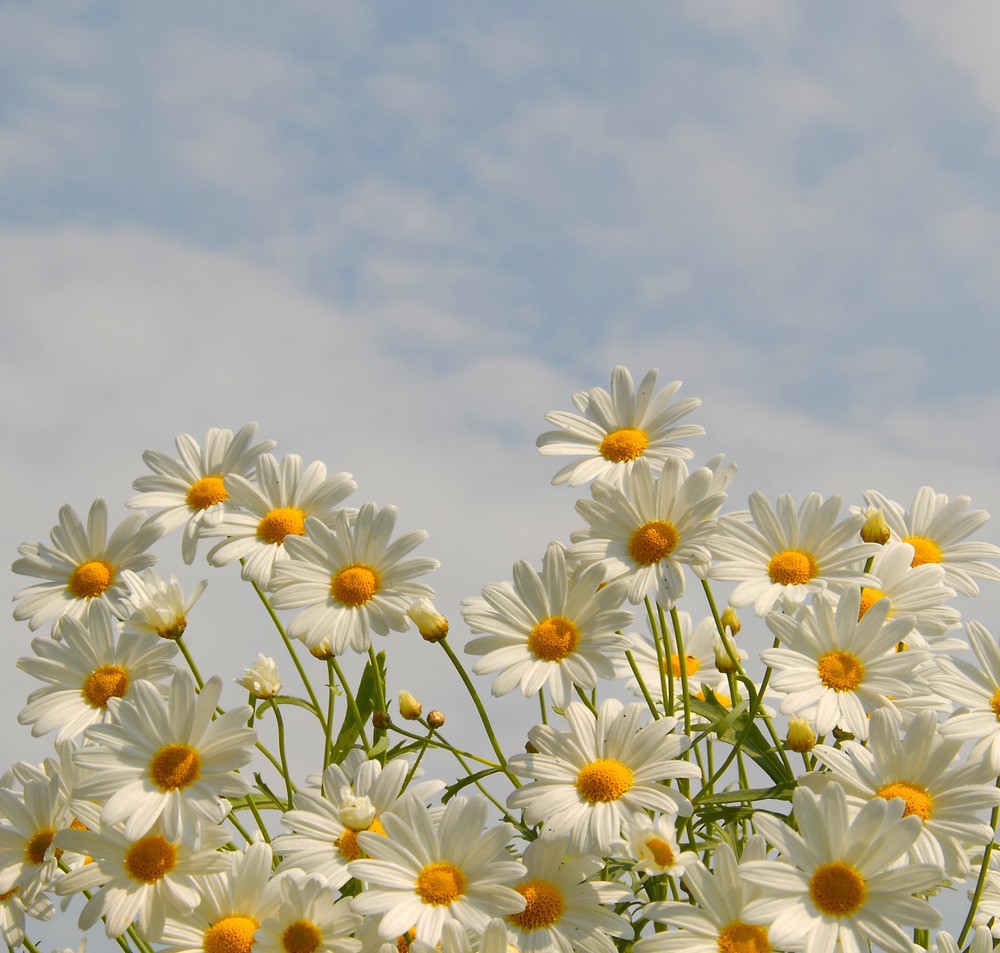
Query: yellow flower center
x=623 y=445
x=841 y=671
x=7 y=894
x=303 y=936
x=740 y=937
x=440 y=884
x=918 y=799
x=348 y=845
x=108 y=681
x=38 y=844
x=175 y=630
x=868 y=598
x=837 y=889
x=282 y=522
x=663 y=853
x=604 y=780
x=653 y=541
x=90 y=579
x=995 y=703
x=544 y=905
x=403 y=942
x=689 y=666
x=553 y=639
x=924 y=550
x=150 y=859
x=230 y=935
x=792 y=567
x=175 y=767
x=355 y=585
x=206 y=492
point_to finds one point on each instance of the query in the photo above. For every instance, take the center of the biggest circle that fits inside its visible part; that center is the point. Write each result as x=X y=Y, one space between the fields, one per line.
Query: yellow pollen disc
x=108 y=681
x=175 y=767
x=553 y=639
x=623 y=445
x=403 y=942
x=995 y=703
x=868 y=598
x=7 y=894
x=690 y=666
x=91 y=579
x=38 y=844
x=604 y=780
x=282 y=522
x=355 y=585
x=924 y=550
x=303 y=936
x=545 y=905
x=841 y=671
x=740 y=937
x=348 y=845
x=230 y=935
x=837 y=889
x=150 y=859
x=918 y=799
x=663 y=853
x=206 y=492
x=653 y=541
x=792 y=567
x=440 y=884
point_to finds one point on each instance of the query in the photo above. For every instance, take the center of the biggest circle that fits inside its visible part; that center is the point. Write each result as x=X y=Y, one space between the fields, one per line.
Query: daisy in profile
x=612 y=431
x=311 y=918
x=350 y=580
x=549 y=629
x=782 y=557
x=191 y=490
x=271 y=509
x=13 y=910
x=648 y=530
x=155 y=606
x=596 y=778
x=936 y=529
x=29 y=821
x=82 y=564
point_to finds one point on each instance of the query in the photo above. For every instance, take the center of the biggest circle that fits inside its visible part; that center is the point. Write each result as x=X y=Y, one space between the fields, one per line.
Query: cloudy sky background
x=397 y=234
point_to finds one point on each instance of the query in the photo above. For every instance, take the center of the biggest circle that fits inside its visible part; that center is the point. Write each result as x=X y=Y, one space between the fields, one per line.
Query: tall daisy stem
x=984 y=868
x=352 y=704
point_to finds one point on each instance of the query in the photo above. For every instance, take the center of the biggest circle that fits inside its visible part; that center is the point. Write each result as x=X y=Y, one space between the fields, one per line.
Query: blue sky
x=396 y=234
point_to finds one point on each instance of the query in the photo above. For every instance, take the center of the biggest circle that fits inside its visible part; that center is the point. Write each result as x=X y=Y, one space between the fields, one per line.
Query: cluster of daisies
x=683 y=790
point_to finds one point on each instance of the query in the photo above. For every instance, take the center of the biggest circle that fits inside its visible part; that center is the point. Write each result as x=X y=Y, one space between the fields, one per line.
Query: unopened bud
x=730 y=620
x=875 y=530
x=261 y=679
x=723 y=662
x=356 y=812
x=431 y=624
x=801 y=736
x=381 y=720
x=409 y=707
x=435 y=718
x=322 y=650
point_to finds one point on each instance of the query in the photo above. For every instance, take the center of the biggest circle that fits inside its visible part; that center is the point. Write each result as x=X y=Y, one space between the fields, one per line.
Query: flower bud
x=435 y=718
x=261 y=679
x=356 y=812
x=409 y=707
x=431 y=624
x=801 y=736
x=723 y=662
x=730 y=620
x=381 y=720
x=875 y=530
x=322 y=650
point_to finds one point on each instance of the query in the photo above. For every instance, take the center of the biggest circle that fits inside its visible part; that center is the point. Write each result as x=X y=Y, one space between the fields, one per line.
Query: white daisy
x=653 y=844
x=191 y=491
x=261 y=680
x=781 y=558
x=548 y=629
x=29 y=821
x=619 y=428
x=273 y=508
x=155 y=606
x=310 y=919
x=14 y=908
x=592 y=780
x=351 y=579
x=82 y=565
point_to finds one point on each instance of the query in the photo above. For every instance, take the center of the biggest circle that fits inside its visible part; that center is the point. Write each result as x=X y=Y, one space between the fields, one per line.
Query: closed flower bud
x=722 y=660
x=431 y=624
x=435 y=718
x=409 y=707
x=261 y=679
x=356 y=812
x=730 y=620
x=322 y=650
x=875 y=530
x=801 y=736
x=381 y=720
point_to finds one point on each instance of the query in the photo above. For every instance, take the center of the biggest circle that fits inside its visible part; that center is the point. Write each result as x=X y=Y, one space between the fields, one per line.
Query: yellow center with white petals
x=150 y=859
x=553 y=639
x=544 y=905
x=206 y=492
x=792 y=567
x=90 y=579
x=356 y=584
x=348 y=844
x=604 y=780
x=841 y=671
x=38 y=844
x=662 y=852
x=653 y=541
x=918 y=799
x=282 y=522
x=688 y=667
x=108 y=681
x=441 y=884
x=7 y=894
x=740 y=937
x=924 y=550
x=175 y=767
x=837 y=889
x=303 y=936
x=230 y=935
x=623 y=445
x=995 y=704
x=868 y=598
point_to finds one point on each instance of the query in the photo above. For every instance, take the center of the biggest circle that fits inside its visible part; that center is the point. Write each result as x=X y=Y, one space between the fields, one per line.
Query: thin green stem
x=280 y=723
x=182 y=645
x=642 y=685
x=666 y=685
x=984 y=868
x=541 y=705
x=380 y=702
x=332 y=693
x=352 y=704
x=261 y=826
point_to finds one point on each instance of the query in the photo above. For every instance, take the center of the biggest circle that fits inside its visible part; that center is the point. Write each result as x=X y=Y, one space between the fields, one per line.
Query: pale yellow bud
x=431 y=624
x=723 y=662
x=730 y=620
x=801 y=736
x=435 y=718
x=875 y=530
x=322 y=650
x=409 y=707
x=356 y=812
x=261 y=679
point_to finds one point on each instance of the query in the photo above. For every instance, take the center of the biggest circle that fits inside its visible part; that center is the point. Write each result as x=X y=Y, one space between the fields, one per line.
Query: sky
x=397 y=234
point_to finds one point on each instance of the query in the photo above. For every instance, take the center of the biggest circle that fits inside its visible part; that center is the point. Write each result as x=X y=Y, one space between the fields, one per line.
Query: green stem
x=378 y=733
x=260 y=821
x=280 y=722
x=642 y=685
x=682 y=665
x=541 y=705
x=199 y=681
x=352 y=704
x=332 y=692
x=981 y=881
x=583 y=697
x=666 y=685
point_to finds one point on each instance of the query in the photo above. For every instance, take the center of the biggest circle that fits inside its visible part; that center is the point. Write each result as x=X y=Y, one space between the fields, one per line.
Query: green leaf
x=452 y=789
x=365 y=696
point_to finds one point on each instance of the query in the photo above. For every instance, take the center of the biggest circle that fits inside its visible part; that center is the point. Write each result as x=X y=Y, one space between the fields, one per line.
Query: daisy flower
x=273 y=509
x=781 y=558
x=548 y=629
x=614 y=430
x=351 y=579
x=155 y=606
x=310 y=919
x=423 y=875
x=261 y=680
x=837 y=883
x=86 y=669
x=592 y=780
x=653 y=844
x=650 y=528
x=191 y=491
x=81 y=564
x=14 y=908
x=28 y=824
x=167 y=759
x=936 y=528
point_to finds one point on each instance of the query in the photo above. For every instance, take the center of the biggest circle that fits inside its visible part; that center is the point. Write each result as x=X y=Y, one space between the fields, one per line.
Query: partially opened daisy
x=191 y=491
x=29 y=821
x=612 y=431
x=311 y=918
x=155 y=606
x=82 y=564
x=14 y=908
